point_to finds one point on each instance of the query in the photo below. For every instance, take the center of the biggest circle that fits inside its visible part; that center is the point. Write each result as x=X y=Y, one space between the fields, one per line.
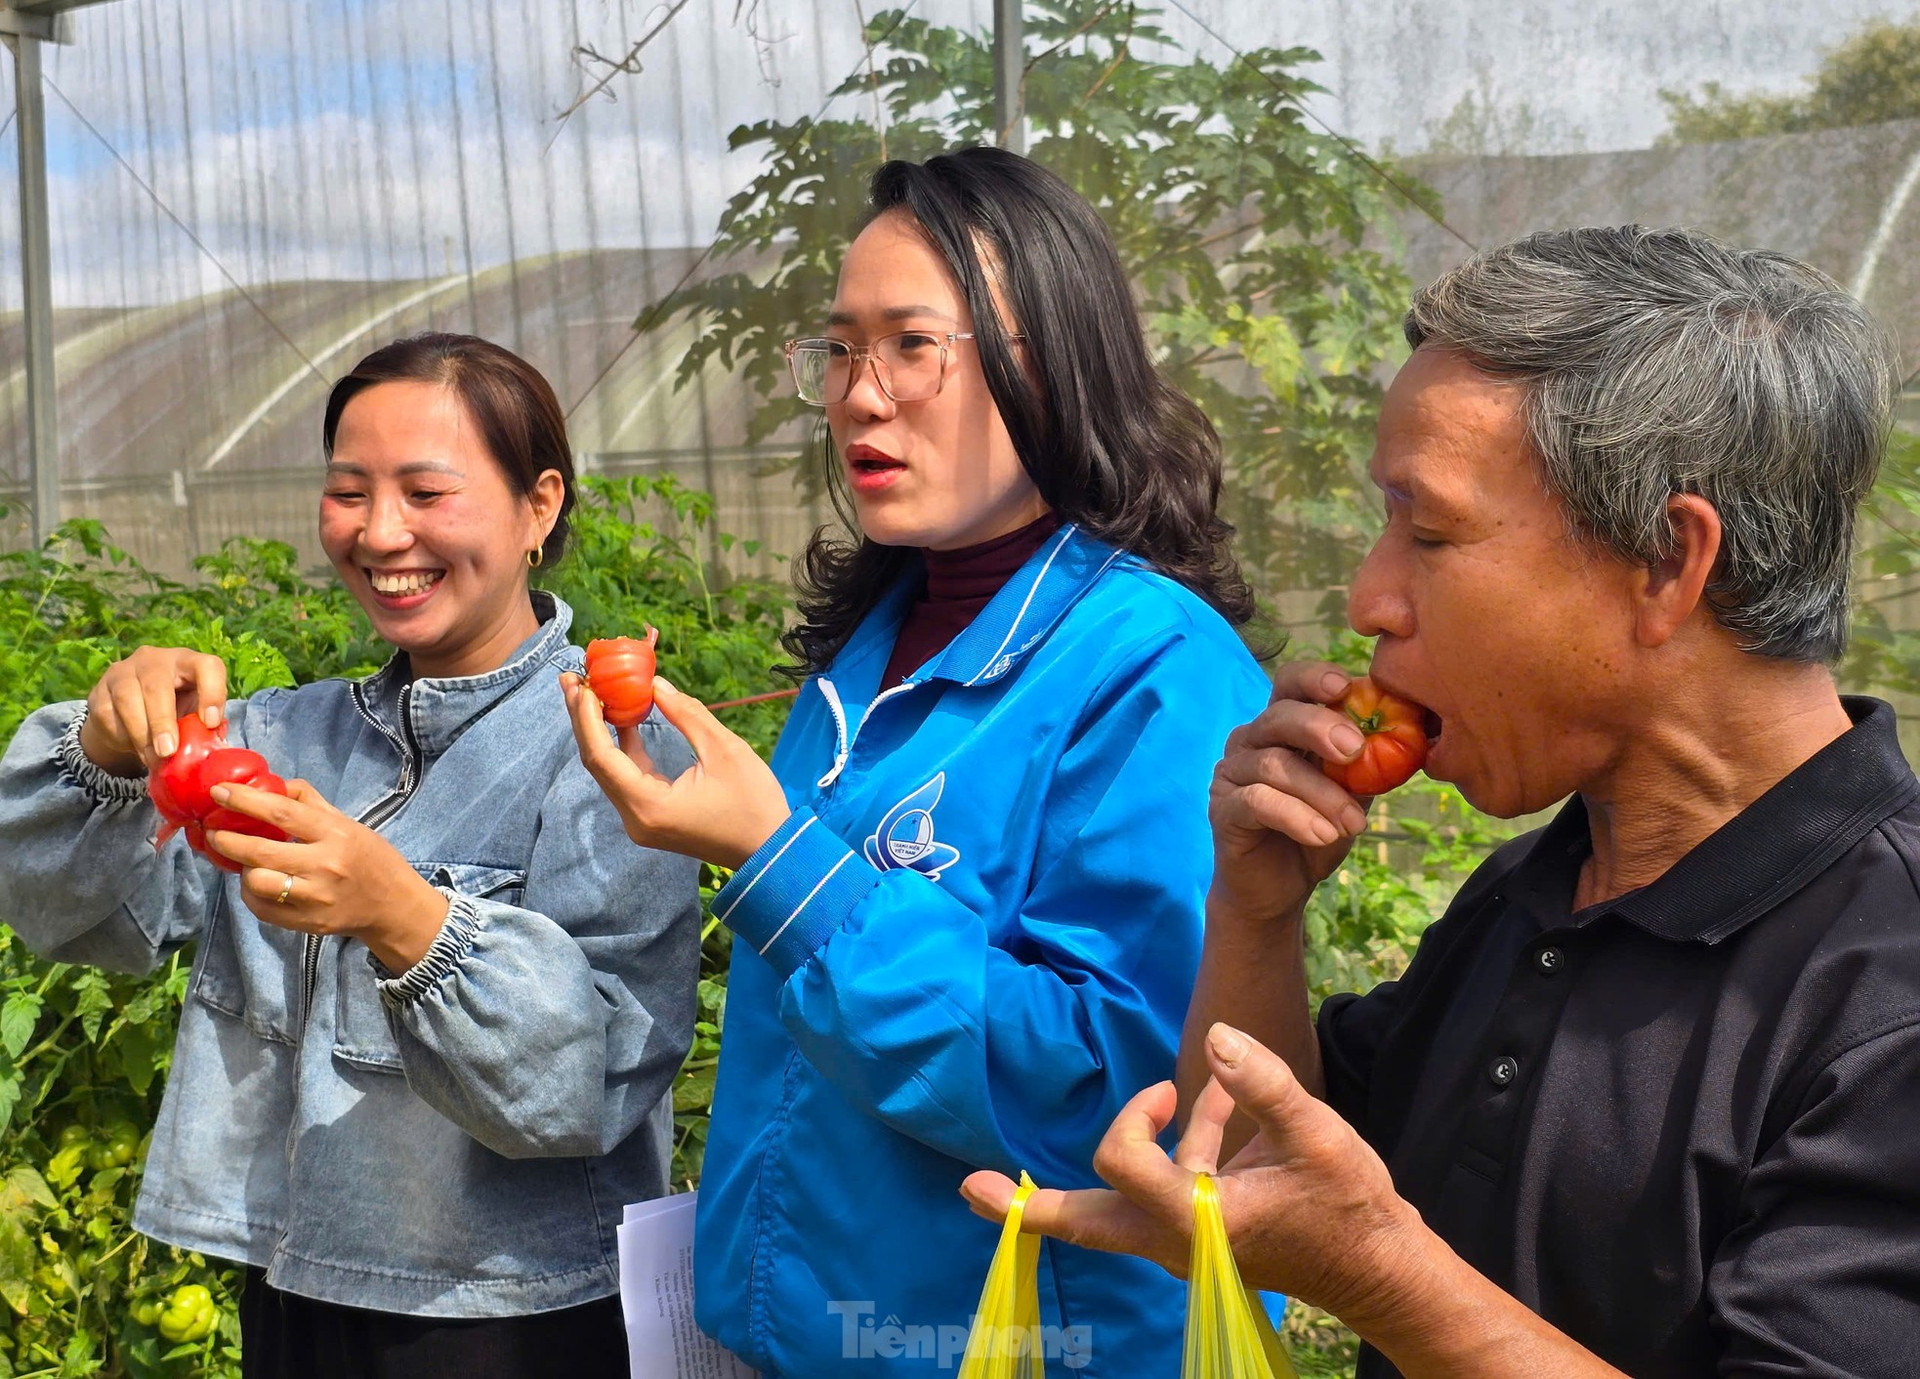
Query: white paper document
x=656 y=1294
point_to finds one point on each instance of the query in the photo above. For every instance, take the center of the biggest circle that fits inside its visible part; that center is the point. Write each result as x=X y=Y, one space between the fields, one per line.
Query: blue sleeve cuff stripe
x=743 y=881
x=791 y=902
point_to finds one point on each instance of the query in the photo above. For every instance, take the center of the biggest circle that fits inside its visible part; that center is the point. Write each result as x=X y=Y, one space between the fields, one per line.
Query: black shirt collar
x=1755 y=860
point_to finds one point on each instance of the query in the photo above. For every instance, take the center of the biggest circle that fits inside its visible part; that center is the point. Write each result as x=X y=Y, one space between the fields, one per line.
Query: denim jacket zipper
x=381 y=811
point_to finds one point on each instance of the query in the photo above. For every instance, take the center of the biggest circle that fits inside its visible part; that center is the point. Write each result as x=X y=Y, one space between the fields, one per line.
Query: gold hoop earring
x=535 y=557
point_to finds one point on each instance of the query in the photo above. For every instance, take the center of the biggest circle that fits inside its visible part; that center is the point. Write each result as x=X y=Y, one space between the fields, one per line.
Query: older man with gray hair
x=1647 y=1100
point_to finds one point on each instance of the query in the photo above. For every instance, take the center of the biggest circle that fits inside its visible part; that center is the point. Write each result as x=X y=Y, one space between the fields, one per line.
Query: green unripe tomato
x=189 y=1314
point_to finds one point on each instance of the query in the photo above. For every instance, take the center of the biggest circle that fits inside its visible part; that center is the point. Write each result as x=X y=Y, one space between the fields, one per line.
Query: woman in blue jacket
x=967 y=897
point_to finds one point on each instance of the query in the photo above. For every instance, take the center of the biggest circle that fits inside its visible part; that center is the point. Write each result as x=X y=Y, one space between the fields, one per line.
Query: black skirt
x=285 y=1336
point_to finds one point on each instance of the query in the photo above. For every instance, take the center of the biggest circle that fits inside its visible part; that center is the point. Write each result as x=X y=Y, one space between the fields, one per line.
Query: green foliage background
x=1870 y=76
x=1242 y=227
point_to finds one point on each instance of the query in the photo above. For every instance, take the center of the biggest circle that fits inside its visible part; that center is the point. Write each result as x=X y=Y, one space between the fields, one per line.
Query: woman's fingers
x=634 y=745
x=146 y=692
x=209 y=675
x=632 y=785
x=130 y=710
x=707 y=735
x=251 y=850
x=1302 y=727
x=304 y=793
x=299 y=818
x=1131 y=1159
x=1259 y=808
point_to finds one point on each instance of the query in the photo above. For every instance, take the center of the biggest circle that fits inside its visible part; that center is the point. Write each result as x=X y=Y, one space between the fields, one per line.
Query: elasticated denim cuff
x=96 y=780
x=443 y=955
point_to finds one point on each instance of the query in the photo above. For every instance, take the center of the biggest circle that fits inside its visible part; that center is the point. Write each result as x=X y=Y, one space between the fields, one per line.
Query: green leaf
x=78 y=1358
x=694 y=1090
x=17 y=1018
x=24 y=1182
x=66 y=1165
x=139 y=1050
x=91 y=1002
x=17 y=1259
x=9 y=1097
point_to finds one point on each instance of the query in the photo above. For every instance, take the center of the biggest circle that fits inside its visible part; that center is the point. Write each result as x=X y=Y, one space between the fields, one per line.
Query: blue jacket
x=970 y=945
x=457 y=1141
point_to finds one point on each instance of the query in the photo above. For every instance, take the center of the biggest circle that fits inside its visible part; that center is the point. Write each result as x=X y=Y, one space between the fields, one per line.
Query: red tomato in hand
x=620 y=674
x=1396 y=739
x=181 y=787
x=173 y=785
x=232 y=820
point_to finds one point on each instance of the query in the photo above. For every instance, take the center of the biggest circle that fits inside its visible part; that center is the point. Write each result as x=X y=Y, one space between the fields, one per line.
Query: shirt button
x=1503 y=1071
x=1550 y=960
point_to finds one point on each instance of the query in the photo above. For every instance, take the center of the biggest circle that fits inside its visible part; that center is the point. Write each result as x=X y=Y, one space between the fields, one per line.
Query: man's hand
x=1280 y=828
x=1311 y=1212
x=1310 y=1208
x=1280 y=825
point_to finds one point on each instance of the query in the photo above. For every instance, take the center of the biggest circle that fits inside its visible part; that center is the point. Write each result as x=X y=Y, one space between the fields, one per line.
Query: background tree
x=1871 y=76
x=1254 y=241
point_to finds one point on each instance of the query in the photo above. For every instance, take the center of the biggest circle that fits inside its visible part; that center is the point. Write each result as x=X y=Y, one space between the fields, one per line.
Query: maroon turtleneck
x=958 y=585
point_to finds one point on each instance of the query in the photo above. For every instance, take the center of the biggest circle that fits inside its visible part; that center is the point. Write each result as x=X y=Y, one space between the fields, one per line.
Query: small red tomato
x=173 y=785
x=620 y=674
x=221 y=819
x=1396 y=739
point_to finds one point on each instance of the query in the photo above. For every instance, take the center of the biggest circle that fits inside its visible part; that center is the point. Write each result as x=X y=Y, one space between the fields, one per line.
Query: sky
x=415 y=138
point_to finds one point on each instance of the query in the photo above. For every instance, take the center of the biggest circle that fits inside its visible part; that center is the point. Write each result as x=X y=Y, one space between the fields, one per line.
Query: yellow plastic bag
x=1228 y=1334
x=1005 y=1340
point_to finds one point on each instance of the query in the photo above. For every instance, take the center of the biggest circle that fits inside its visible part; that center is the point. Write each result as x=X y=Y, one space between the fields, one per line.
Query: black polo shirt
x=1684 y=1125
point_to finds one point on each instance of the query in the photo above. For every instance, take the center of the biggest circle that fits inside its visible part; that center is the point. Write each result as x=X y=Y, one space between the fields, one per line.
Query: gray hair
x=1657 y=362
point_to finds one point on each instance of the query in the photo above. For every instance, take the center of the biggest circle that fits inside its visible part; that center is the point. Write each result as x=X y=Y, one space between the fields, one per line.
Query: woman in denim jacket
x=967 y=898
x=427 y=1048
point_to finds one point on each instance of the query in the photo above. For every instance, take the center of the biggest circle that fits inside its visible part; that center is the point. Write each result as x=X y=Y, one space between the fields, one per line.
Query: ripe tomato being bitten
x=1396 y=739
x=620 y=674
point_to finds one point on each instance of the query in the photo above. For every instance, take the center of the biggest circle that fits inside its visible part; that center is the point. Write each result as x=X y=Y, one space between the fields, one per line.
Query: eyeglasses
x=910 y=366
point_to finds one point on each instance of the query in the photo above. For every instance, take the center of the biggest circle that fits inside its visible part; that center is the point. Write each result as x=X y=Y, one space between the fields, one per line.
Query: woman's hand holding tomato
x=347 y=879
x=720 y=809
x=181 y=788
x=134 y=707
x=1281 y=822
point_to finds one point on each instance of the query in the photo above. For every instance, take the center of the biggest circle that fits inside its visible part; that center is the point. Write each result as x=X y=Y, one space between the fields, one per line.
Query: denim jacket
x=457 y=1141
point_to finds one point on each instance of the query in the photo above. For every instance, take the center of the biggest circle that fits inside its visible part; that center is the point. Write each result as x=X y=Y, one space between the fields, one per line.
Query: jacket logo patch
x=905 y=836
